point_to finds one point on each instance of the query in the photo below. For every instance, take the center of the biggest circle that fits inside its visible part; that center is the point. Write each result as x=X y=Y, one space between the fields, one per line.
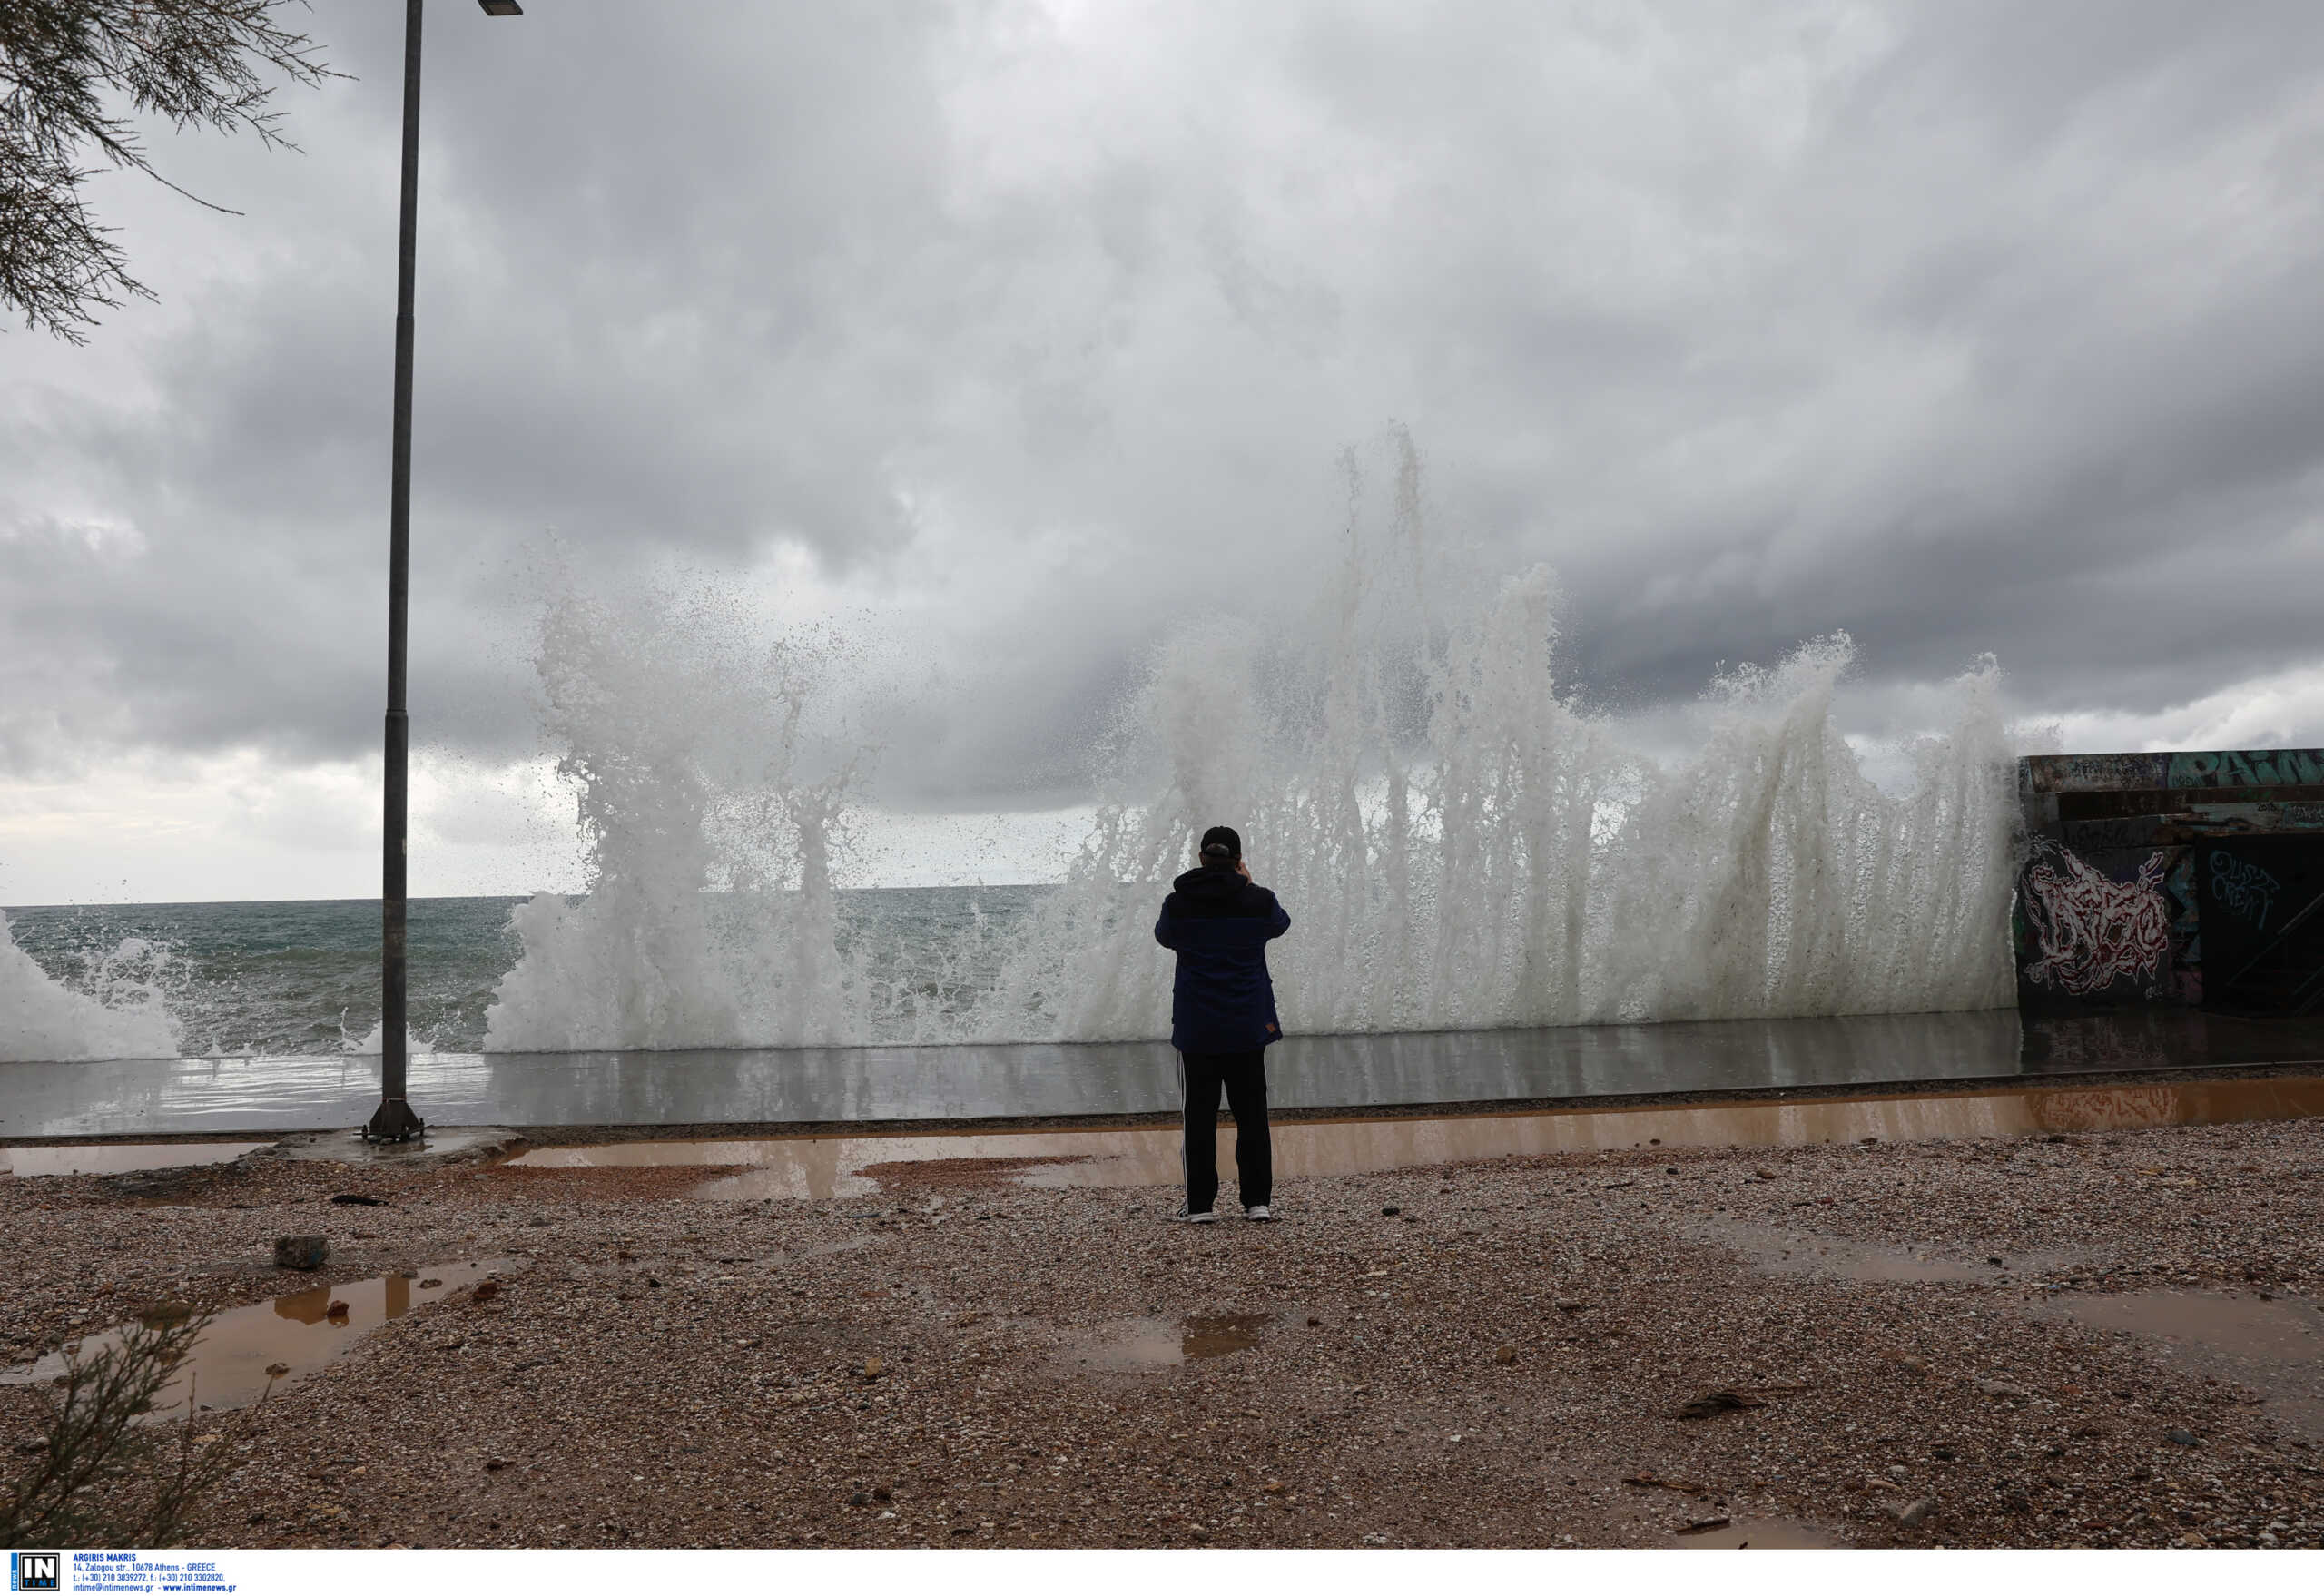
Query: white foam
x=373 y=1042
x=120 y=1014
x=687 y=745
x=1458 y=845
x=1529 y=869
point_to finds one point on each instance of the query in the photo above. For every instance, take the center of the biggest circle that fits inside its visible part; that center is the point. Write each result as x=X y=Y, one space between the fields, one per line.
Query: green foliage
x=99 y=1477
x=65 y=68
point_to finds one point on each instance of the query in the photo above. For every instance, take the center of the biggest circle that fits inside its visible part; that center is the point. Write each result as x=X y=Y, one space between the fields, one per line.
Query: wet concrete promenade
x=819 y=1168
x=871 y=1085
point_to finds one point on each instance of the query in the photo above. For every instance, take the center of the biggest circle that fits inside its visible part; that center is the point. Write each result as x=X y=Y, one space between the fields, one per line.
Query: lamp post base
x=393 y=1121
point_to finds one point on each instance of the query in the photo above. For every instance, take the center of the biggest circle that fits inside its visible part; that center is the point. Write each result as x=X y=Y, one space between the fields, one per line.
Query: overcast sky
x=995 y=333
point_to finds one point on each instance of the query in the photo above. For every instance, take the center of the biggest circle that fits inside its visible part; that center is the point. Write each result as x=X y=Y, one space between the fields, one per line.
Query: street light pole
x=394 y=1120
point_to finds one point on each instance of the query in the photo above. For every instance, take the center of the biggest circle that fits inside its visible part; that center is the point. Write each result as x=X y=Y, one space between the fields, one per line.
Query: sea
x=274 y=979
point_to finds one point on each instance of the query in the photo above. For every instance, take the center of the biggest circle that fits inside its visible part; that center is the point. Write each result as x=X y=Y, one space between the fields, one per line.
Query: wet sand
x=2074 y=1335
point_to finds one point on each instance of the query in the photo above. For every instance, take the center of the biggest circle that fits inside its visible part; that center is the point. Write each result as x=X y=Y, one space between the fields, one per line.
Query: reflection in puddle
x=834 y=1167
x=821 y=1167
x=2275 y=1347
x=245 y=1349
x=1163 y=1343
x=934 y=1174
x=122 y=1158
x=1757 y=1534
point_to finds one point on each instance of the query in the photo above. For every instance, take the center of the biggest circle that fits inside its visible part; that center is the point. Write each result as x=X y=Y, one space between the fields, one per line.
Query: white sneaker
x=1259 y=1211
x=1205 y=1218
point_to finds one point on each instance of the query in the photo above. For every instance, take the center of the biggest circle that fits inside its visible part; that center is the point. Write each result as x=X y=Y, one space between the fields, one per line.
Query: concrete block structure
x=2173 y=881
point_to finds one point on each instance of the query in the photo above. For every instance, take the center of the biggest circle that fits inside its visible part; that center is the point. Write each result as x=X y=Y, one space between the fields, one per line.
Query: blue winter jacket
x=1219 y=925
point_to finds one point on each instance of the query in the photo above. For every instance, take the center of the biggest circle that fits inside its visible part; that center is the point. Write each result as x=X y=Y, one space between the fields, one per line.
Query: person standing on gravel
x=1223 y=1019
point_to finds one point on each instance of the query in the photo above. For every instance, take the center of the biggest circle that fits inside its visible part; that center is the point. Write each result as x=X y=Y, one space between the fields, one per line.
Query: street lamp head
x=501 y=7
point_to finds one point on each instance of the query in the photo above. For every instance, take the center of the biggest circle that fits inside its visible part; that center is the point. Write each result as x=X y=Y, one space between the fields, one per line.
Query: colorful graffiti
x=2091 y=773
x=2121 y=842
x=2232 y=768
x=2090 y=931
x=2242 y=888
x=2253 y=767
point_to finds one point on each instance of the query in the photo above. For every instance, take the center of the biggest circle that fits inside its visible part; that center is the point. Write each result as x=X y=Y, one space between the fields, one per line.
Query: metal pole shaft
x=395 y=1119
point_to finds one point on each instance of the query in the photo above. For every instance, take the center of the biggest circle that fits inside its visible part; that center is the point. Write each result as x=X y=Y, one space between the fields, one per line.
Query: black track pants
x=1245 y=1077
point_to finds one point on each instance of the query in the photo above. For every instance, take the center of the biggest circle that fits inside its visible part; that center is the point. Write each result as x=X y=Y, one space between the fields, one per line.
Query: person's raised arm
x=1166 y=930
x=1280 y=920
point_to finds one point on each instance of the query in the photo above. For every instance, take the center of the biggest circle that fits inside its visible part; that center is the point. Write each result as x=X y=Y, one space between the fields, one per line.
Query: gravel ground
x=1483 y=1355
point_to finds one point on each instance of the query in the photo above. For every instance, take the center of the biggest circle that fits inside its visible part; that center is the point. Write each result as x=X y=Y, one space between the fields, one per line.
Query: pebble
x=763 y=1371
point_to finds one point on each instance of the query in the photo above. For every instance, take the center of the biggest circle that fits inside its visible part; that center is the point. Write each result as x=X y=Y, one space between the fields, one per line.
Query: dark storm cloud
x=1965 y=327
x=2118 y=492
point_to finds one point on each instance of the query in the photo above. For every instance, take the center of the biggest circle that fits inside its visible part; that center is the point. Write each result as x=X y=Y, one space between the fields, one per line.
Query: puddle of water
x=1758 y=1535
x=296 y=1333
x=1164 y=1344
x=898 y=1175
x=2275 y=1347
x=1216 y=1336
x=2267 y=1332
x=1782 y=1252
x=122 y=1158
x=821 y=1167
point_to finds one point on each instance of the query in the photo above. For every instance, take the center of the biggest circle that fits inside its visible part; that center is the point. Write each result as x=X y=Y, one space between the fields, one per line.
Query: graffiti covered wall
x=2113 y=890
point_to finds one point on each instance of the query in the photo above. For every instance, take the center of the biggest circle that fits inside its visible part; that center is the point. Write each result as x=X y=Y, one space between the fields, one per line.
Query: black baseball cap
x=1221 y=843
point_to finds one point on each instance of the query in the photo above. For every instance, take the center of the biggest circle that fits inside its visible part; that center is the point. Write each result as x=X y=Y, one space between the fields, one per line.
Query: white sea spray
x=1528 y=869
x=684 y=740
x=116 y=1010
x=1459 y=845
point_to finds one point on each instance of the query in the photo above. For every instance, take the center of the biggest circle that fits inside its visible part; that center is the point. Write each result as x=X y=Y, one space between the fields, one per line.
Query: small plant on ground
x=98 y=1476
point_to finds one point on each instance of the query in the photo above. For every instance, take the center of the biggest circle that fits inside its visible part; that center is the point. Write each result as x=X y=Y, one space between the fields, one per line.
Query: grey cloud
x=1965 y=328
x=2032 y=72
